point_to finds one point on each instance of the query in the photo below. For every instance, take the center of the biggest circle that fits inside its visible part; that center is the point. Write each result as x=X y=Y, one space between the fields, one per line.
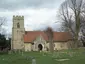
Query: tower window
x=18 y=25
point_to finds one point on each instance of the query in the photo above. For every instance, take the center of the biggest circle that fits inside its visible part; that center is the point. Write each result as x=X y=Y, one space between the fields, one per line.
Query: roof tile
x=57 y=36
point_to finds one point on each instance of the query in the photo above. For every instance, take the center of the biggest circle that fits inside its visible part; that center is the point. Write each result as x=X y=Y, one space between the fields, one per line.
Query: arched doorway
x=40 y=47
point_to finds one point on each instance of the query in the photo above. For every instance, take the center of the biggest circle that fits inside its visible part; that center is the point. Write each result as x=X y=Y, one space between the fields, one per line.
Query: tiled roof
x=57 y=36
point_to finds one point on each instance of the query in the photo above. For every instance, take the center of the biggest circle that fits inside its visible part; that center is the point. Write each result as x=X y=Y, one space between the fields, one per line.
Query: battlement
x=18 y=17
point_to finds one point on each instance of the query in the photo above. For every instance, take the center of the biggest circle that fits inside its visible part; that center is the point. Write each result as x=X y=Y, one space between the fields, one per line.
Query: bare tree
x=82 y=36
x=71 y=11
x=49 y=33
x=2 y=23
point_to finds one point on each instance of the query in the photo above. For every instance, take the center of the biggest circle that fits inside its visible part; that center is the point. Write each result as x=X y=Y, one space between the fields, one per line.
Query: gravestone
x=33 y=61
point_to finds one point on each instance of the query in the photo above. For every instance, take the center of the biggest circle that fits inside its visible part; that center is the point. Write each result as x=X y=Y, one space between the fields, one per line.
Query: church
x=36 y=40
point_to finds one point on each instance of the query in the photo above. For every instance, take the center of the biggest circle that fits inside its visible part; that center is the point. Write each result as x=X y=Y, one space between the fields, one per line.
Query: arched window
x=18 y=25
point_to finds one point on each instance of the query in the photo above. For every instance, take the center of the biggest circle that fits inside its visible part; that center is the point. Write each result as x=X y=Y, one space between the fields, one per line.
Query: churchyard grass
x=59 y=57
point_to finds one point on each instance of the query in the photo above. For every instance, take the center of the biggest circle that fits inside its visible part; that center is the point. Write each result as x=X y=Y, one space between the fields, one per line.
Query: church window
x=18 y=25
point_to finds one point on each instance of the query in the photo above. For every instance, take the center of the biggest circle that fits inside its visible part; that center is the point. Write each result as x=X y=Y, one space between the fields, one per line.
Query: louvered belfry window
x=18 y=25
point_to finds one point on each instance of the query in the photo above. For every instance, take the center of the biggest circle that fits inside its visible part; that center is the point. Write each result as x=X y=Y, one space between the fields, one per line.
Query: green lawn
x=59 y=57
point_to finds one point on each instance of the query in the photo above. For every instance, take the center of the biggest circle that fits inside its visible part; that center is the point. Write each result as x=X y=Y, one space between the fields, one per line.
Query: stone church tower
x=18 y=33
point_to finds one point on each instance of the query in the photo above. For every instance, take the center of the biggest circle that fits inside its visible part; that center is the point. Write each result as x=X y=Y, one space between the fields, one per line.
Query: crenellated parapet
x=18 y=17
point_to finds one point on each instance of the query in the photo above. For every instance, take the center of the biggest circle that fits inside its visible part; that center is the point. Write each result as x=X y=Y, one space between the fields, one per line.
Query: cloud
x=38 y=14
x=34 y=19
x=21 y=4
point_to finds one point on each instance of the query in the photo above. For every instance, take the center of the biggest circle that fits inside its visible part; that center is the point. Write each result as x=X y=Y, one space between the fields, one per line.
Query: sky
x=38 y=14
